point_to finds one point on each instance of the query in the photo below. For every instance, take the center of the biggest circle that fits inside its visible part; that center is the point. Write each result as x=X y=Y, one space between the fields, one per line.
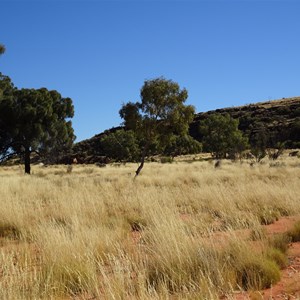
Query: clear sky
x=99 y=53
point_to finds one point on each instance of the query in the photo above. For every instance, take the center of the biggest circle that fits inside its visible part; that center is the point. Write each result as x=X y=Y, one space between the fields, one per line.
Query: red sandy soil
x=289 y=285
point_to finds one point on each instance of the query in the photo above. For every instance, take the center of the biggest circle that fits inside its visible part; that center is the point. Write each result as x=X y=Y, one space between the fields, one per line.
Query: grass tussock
x=94 y=233
x=10 y=231
x=294 y=233
x=278 y=257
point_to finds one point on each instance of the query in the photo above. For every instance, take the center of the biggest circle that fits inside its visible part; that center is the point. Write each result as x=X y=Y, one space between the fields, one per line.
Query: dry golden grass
x=95 y=233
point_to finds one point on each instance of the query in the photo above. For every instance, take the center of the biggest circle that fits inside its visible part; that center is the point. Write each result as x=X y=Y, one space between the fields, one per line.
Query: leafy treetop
x=159 y=115
x=33 y=121
x=221 y=136
x=2 y=49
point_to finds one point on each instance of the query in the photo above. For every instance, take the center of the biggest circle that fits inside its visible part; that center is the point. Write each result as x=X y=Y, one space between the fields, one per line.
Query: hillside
x=280 y=119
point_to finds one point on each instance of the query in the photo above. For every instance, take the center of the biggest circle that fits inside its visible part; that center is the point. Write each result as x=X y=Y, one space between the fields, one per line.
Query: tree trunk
x=27 y=161
x=139 y=169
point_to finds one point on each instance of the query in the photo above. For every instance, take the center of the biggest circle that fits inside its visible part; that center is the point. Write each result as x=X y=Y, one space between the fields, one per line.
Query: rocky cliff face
x=279 y=118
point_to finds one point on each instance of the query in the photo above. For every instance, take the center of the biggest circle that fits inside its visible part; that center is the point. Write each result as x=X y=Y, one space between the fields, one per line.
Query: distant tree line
x=159 y=125
x=39 y=121
x=222 y=137
x=220 y=132
x=265 y=124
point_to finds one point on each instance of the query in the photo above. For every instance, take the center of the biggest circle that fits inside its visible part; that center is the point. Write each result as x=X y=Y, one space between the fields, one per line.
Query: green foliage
x=161 y=111
x=160 y=115
x=277 y=256
x=295 y=130
x=6 y=96
x=258 y=274
x=121 y=145
x=221 y=136
x=131 y=115
x=296 y=112
x=182 y=145
x=70 y=276
x=2 y=49
x=274 y=153
x=252 y=270
x=33 y=121
x=264 y=123
x=280 y=242
x=259 y=141
x=294 y=233
x=166 y=160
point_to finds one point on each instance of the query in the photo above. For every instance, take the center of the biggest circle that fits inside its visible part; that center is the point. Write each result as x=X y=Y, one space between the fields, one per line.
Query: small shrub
x=69 y=169
x=268 y=216
x=277 y=164
x=294 y=233
x=101 y=165
x=166 y=160
x=277 y=256
x=258 y=274
x=71 y=277
x=280 y=242
x=258 y=234
x=253 y=270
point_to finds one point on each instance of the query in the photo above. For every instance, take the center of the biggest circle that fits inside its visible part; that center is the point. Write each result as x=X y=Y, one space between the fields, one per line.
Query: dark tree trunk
x=27 y=161
x=139 y=169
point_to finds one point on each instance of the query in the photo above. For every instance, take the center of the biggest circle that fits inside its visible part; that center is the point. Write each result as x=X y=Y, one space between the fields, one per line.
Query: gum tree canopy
x=160 y=115
x=33 y=121
x=2 y=49
x=221 y=136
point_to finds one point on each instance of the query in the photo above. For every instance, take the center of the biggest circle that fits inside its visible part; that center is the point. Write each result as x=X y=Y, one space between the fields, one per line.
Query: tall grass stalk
x=96 y=233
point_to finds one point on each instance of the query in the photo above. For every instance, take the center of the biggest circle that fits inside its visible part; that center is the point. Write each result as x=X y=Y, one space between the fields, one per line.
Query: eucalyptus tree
x=33 y=120
x=2 y=49
x=159 y=115
x=221 y=136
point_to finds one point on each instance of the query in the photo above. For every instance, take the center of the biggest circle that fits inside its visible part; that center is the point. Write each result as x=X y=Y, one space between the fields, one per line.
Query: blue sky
x=99 y=53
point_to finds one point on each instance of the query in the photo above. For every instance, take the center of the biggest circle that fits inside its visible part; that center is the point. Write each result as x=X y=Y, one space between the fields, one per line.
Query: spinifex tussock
x=252 y=269
x=100 y=234
x=294 y=233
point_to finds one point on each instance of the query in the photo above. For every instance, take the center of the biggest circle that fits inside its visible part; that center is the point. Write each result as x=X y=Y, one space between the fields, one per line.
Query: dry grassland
x=94 y=233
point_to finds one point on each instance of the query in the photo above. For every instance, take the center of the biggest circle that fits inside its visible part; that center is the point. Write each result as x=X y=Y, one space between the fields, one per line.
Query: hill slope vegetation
x=277 y=120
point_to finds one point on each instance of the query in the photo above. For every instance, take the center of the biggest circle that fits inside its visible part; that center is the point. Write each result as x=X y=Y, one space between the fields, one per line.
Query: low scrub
x=258 y=274
x=280 y=242
x=277 y=256
x=253 y=269
x=294 y=233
